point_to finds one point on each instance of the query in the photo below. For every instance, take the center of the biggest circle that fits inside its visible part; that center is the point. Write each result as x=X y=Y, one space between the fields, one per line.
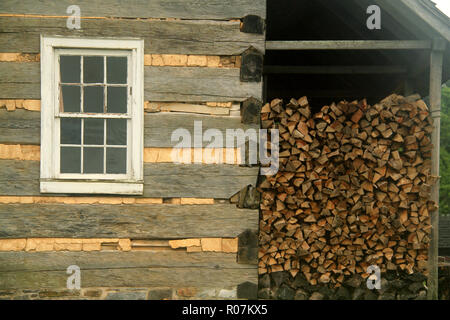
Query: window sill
x=83 y=187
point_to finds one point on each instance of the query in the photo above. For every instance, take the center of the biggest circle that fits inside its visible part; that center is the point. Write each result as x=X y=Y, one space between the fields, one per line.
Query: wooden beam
x=168 y=180
x=130 y=221
x=21 y=34
x=436 y=62
x=431 y=16
x=39 y=270
x=184 y=9
x=335 y=69
x=349 y=45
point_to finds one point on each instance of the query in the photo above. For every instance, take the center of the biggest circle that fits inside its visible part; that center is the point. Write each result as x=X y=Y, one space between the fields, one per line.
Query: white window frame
x=51 y=180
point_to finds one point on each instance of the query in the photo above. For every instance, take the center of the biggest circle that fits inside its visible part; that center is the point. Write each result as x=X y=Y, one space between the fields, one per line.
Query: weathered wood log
x=21 y=34
x=124 y=221
x=40 y=270
x=184 y=9
x=168 y=180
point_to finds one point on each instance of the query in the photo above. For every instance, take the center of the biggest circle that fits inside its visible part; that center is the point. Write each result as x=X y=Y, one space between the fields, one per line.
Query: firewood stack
x=352 y=190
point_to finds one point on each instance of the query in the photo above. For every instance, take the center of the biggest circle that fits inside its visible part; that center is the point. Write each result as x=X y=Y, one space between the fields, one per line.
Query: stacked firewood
x=352 y=190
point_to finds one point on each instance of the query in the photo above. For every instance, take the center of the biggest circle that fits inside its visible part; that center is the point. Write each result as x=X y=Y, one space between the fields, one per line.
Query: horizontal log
x=52 y=261
x=199 y=181
x=20 y=127
x=165 y=180
x=23 y=127
x=21 y=34
x=349 y=45
x=42 y=270
x=182 y=9
x=136 y=221
x=184 y=84
x=197 y=84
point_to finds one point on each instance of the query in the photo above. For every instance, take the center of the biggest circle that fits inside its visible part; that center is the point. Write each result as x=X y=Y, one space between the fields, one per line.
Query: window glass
x=94 y=131
x=70 y=100
x=93 y=160
x=116 y=131
x=93 y=99
x=117 y=100
x=116 y=70
x=70 y=160
x=70 y=130
x=93 y=69
x=69 y=67
x=116 y=160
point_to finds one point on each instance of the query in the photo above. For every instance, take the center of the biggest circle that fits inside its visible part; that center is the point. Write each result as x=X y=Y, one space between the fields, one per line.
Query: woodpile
x=352 y=190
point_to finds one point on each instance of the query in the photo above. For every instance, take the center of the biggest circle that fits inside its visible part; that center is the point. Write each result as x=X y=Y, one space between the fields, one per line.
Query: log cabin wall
x=184 y=237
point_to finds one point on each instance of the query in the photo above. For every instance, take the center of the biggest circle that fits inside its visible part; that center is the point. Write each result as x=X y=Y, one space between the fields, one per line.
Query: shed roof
x=305 y=20
x=429 y=13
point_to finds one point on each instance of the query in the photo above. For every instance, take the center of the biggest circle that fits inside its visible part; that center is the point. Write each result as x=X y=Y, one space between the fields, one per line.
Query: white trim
x=51 y=47
x=91 y=187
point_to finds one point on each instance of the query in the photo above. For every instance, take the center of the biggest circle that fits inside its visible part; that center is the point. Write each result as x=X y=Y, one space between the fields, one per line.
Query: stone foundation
x=122 y=294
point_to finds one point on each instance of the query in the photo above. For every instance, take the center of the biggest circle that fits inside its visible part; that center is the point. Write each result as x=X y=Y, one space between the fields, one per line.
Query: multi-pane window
x=93 y=102
x=94 y=114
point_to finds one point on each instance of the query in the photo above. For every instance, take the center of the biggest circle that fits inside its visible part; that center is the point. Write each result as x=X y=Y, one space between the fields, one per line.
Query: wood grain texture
x=20 y=126
x=134 y=221
x=132 y=277
x=197 y=84
x=21 y=34
x=165 y=180
x=39 y=270
x=183 y=9
x=199 y=181
x=23 y=127
x=38 y=261
x=184 y=84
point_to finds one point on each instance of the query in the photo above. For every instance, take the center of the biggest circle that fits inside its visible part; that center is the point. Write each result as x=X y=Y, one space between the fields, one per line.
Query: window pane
x=70 y=131
x=93 y=99
x=116 y=131
x=116 y=69
x=70 y=99
x=117 y=100
x=93 y=160
x=70 y=160
x=93 y=131
x=116 y=160
x=93 y=70
x=69 y=67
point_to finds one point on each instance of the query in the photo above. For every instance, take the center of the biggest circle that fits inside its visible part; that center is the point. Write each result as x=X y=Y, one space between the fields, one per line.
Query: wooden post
x=437 y=54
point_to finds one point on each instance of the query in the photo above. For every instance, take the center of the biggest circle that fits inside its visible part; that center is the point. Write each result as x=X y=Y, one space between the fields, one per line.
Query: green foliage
x=444 y=195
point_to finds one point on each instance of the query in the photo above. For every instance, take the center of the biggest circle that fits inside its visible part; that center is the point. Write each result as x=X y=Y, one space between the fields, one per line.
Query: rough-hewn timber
x=160 y=36
x=182 y=9
x=166 y=180
x=124 y=221
x=38 y=270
